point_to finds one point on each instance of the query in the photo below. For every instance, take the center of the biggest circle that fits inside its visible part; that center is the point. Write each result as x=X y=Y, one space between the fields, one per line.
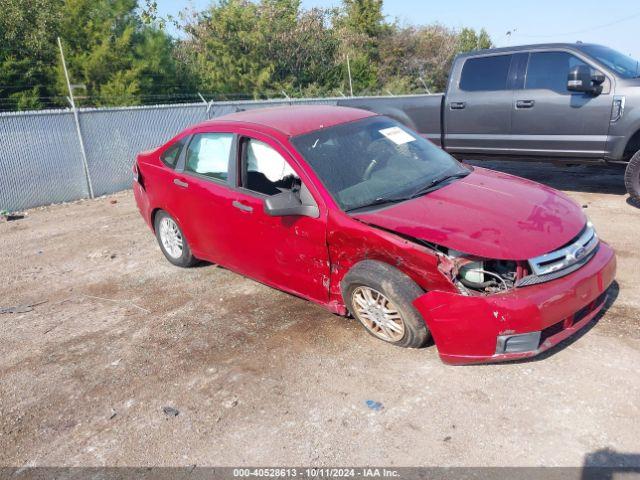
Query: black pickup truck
x=562 y=103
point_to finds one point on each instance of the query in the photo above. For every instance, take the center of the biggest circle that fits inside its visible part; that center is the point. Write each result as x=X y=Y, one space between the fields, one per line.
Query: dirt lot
x=260 y=377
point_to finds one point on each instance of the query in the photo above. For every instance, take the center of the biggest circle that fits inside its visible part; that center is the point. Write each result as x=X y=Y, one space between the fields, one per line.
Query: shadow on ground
x=577 y=178
x=608 y=464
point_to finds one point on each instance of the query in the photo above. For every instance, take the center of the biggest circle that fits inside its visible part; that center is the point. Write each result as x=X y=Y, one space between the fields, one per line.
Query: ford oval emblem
x=579 y=253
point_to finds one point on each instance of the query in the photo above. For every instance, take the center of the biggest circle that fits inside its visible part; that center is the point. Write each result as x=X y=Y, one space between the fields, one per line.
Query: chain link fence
x=41 y=158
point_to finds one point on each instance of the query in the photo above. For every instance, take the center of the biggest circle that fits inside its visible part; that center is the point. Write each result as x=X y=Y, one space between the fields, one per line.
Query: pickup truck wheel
x=632 y=177
x=381 y=298
x=172 y=241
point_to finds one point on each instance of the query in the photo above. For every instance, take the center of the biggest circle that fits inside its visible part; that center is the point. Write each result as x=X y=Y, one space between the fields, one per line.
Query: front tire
x=172 y=242
x=632 y=177
x=381 y=298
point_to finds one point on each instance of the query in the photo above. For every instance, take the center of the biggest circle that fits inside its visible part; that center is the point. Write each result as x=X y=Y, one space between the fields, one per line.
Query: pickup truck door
x=548 y=120
x=478 y=104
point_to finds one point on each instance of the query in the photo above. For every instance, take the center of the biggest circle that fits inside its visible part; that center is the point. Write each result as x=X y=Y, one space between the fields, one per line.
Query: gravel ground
x=257 y=377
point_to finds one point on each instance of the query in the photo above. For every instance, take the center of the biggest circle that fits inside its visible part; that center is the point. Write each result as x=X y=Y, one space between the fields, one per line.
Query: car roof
x=294 y=120
x=520 y=48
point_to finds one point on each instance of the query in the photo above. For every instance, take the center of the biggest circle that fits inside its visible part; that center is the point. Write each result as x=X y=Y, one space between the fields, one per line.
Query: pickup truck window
x=485 y=73
x=549 y=70
x=363 y=162
x=623 y=65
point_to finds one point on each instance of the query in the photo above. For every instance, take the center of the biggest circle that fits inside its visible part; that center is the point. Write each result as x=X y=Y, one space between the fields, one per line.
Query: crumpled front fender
x=469 y=326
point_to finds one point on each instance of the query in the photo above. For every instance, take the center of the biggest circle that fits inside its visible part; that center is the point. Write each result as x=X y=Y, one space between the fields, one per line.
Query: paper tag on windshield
x=397 y=135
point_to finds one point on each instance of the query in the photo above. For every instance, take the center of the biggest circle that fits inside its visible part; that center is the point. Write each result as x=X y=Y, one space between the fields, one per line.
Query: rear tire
x=172 y=242
x=381 y=298
x=632 y=177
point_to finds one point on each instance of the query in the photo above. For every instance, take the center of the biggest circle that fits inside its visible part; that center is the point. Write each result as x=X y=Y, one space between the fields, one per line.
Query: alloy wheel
x=171 y=237
x=378 y=314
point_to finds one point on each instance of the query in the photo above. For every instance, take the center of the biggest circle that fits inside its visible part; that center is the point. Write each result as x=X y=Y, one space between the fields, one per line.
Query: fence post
x=209 y=104
x=350 y=82
x=85 y=164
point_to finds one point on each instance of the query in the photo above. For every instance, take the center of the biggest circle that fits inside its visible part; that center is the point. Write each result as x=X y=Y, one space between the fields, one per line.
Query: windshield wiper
x=421 y=191
x=380 y=201
x=433 y=184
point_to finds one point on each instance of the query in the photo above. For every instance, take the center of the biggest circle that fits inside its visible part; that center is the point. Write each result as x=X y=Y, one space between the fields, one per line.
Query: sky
x=614 y=23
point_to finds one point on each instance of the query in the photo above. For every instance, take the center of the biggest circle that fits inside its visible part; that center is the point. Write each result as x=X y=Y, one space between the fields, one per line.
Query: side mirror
x=292 y=202
x=582 y=79
x=598 y=78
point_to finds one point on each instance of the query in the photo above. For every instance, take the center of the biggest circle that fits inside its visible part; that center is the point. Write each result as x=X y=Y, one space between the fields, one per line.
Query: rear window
x=208 y=154
x=485 y=73
x=171 y=154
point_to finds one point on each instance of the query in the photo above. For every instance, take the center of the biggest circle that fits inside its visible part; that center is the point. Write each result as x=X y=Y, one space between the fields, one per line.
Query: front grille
x=535 y=279
x=563 y=261
x=568 y=255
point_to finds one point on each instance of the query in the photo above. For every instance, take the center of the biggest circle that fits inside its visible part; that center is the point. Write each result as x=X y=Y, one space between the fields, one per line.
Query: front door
x=288 y=252
x=548 y=120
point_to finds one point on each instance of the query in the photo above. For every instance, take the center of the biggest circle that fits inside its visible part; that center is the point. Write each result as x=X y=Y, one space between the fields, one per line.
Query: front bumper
x=473 y=329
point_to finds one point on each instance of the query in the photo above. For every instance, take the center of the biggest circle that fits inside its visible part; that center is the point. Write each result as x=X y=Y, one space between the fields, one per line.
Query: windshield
x=623 y=65
x=360 y=163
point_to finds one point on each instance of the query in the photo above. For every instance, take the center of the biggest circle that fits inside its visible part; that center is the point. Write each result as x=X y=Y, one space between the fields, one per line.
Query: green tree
x=469 y=40
x=224 y=49
x=121 y=54
x=28 y=54
x=109 y=50
x=260 y=49
x=113 y=54
x=364 y=17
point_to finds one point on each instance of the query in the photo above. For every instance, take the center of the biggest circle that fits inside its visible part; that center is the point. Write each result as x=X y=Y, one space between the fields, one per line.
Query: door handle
x=457 y=105
x=242 y=206
x=525 y=103
x=180 y=183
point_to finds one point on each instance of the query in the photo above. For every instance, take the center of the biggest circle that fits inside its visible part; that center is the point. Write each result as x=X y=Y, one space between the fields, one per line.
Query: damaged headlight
x=483 y=275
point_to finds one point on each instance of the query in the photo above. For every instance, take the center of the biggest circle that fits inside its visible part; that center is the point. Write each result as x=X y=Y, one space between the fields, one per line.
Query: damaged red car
x=358 y=213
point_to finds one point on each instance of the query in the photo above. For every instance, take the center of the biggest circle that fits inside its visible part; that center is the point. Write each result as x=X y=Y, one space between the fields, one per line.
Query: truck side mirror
x=292 y=202
x=582 y=79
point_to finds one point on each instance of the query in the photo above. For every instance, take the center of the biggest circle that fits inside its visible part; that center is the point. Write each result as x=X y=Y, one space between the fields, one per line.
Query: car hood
x=487 y=214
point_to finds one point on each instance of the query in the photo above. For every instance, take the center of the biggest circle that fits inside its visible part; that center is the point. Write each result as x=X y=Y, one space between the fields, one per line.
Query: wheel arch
x=395 y=286
x=373 y=263
x=152 y=217
x=154 y=214
x=633 y=145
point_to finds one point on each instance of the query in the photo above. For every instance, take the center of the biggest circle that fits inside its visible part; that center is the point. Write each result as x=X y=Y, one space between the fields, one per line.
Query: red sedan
x=362 y=215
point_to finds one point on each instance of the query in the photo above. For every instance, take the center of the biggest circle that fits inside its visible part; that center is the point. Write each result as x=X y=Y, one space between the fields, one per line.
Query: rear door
x=203 y=195
x=549 y=120
x=478 y=107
